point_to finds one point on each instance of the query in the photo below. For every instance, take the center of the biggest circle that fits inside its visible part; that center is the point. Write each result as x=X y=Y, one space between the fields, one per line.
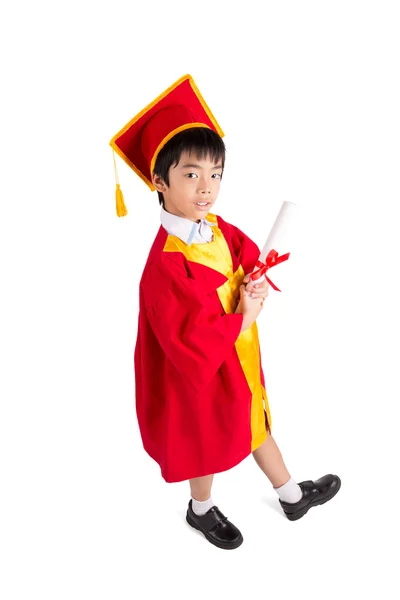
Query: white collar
x=183 y=228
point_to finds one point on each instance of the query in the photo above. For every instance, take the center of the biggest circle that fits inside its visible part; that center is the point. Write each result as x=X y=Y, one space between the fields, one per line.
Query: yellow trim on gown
x=216 y=255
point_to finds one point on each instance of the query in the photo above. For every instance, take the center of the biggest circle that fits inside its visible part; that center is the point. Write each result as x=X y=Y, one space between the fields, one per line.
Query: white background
x=308 y=96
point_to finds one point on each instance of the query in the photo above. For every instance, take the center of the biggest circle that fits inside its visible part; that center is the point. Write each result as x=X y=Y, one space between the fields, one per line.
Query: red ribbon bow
x=271 y=260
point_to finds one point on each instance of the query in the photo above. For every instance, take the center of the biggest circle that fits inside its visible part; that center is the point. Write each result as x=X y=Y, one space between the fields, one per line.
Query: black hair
x=201 y=141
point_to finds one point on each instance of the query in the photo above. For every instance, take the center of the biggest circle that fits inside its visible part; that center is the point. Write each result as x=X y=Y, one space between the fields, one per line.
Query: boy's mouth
x=202 y=205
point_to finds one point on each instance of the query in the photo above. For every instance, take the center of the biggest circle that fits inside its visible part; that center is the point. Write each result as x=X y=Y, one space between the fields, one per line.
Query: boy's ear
x=158 y=182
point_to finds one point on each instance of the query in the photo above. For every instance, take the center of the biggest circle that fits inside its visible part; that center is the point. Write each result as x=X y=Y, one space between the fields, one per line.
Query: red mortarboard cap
x=179 y=107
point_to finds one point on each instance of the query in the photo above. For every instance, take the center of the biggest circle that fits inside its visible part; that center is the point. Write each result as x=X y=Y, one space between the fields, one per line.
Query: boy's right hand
x=250 y=307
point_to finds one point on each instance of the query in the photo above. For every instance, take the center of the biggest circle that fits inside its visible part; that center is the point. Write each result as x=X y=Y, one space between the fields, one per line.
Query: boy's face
x=191 y=181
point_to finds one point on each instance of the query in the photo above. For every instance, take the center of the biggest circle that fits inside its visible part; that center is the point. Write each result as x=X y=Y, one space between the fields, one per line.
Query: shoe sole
x=303 y=511
x=224 y=545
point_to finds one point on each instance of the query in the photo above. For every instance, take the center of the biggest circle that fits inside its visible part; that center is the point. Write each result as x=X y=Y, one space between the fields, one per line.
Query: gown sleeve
x=189 y=326
x=245 y=249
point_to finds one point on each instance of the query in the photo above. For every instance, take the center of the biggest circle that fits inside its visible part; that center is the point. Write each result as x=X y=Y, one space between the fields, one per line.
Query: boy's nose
x=204 y=187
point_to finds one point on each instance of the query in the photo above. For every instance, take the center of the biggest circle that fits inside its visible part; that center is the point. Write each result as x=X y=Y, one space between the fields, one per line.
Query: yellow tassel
x=119 y=197
x=121 y=208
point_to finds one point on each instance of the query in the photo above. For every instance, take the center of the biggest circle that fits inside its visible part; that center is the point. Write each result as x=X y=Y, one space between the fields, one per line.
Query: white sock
x=289 y=491
x=200 y=508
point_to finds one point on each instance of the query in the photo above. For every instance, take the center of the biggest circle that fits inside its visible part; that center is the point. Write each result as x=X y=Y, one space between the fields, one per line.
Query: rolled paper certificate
x=276 y=239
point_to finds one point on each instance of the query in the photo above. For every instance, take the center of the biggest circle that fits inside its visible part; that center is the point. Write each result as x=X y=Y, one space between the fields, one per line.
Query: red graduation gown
x=200 y=391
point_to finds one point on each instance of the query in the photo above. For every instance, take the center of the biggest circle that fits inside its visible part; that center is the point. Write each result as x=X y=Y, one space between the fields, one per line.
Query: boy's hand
x=259 y=290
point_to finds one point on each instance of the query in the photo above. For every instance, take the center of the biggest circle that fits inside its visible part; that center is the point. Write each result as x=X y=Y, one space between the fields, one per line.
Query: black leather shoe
x=216 y=527
x=314 y=493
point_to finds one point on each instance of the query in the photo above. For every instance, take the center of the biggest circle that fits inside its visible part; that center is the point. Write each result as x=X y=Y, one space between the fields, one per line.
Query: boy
x=201 y=401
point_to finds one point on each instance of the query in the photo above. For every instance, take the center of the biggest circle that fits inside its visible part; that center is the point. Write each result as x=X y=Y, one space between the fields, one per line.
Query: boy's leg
x=200 y=487
x=269 y=459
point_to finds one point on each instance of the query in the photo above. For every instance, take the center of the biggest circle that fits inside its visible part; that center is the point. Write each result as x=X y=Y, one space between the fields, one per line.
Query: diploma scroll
x=276 y=242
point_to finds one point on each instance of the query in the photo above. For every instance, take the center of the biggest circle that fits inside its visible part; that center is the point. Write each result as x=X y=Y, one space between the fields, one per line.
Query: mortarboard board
x=139 y=142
